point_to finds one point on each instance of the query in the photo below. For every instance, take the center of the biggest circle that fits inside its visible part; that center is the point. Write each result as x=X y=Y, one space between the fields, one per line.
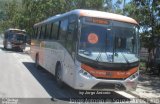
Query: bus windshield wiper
x=114 y=51
x=125 y=58
x=100 y=52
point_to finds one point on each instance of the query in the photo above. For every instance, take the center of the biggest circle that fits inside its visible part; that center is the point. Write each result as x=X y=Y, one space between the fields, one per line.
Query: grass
x=142 y=65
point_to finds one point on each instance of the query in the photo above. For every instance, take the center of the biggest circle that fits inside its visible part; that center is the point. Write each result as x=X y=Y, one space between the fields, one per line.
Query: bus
x=88 y=50
x=14 y=39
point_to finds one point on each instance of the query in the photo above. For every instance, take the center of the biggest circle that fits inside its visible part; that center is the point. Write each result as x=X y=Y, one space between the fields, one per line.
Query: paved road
x=20 y=79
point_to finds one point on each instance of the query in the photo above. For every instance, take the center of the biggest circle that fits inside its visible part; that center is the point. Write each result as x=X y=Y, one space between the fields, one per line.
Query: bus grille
x=110 y=86
x=16 y=43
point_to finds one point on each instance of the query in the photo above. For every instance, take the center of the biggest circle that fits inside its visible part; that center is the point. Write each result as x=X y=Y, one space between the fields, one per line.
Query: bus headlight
x=135 y=75
x=9 y=43
x=85 y=74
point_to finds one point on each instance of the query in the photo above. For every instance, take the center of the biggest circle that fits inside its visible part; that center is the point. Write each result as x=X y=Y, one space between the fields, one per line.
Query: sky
x=127 y=1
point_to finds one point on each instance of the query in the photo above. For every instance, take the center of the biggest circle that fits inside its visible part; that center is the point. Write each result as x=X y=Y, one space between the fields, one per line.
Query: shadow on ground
x=150 y=82
x=13 y=51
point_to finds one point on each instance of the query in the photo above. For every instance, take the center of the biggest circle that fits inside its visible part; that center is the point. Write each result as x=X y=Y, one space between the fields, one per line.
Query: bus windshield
x=16 y=37
x=20 y=37
x=108 y=41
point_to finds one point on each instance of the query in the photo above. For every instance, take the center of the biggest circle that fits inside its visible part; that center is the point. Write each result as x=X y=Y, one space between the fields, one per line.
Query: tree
x=147 y=13
x=25 y=13
x=11 y=14
x=28 y=12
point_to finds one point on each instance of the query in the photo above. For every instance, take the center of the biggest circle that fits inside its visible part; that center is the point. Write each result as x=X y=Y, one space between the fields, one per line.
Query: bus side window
x=63 y=31
x=71 y=34
x=43 y=32
x=51 y=31
x=54 y=30
x=35 y=33
x=39 y=33
x=48 y=31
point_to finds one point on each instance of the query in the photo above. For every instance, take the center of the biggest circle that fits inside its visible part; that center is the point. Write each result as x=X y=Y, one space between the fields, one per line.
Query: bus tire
x=21 y=50
x=58 y=76
x=4 y=48
x=37 y=61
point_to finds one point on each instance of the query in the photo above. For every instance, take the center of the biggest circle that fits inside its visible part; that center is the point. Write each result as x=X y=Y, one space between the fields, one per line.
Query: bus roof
x=14 y=29
x=106 y=15
x=91 y=13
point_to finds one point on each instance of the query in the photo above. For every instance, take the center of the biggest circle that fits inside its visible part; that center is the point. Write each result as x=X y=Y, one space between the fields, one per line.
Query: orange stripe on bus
x=109 y=74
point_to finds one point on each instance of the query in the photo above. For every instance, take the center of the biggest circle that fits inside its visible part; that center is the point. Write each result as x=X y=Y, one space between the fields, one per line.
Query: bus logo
x=109 y=74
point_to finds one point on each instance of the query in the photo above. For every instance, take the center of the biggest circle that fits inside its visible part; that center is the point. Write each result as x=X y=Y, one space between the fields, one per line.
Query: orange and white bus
x=89 y=50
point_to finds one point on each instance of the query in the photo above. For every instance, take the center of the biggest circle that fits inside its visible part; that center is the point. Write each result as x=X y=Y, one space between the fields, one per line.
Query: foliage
x=115 y=6
x=10 y=11
x=146 y=12
x=26 y=13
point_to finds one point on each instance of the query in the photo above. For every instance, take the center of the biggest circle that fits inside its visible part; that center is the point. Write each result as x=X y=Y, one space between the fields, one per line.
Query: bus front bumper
x=9 y=46
x=88 y=82
x=18 y=46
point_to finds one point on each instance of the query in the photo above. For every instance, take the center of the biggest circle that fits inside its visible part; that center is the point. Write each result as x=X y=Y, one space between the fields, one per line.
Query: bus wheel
x=58 y=76
x=21 y=50
x=4 y=47
x=37 y=62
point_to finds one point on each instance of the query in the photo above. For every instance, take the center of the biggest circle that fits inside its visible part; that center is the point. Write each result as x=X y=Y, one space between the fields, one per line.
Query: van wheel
x=37 y=62
x=58 y=76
